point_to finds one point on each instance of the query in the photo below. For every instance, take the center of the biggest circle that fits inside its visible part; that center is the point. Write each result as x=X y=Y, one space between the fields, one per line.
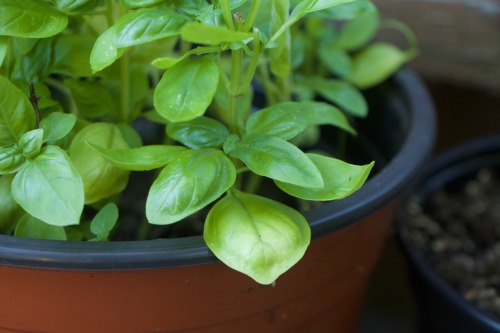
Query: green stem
x=252 y=15
x=109 y=13
x=125 y=88
x=253 y=183
x=234 y=89
x=270 y=89
x=254 y=61
x=226 y=12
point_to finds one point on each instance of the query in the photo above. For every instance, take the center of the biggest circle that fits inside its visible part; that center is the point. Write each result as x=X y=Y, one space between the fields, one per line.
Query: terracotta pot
x=442 y=309
x=178 y=286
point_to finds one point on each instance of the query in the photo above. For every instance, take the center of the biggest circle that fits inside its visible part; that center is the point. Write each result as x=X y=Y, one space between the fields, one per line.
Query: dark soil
x=459 y=234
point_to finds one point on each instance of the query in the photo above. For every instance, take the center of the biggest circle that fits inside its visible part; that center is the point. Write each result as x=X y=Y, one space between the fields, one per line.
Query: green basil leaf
x=257 y=236
x=343 y=94
x=11 y=159
x=336 y=60
x=193 y=180
x=356 y=33
x=35 y=65
x=57 y=125
x=30 y=19
x=284 y=120
x=31 y=143
x=75 y=7
x=348 y=11
x=71 y=55
x=3 y=48
x=277 y=159
x=236 y=3
x=305 y=7
x=168 y=62
x=133 y=4
x=101 y=179
x=11 y=212
x=131 y=136
x=186 y=90
x=142 y=158
x=375 y=64
x=146 y=25
x=327 y=114
x=201 y=132
x=49 y=188
x=104 y=53
x=200 y=33
x=341 y=180
x=105 y=220
x=31 y=227
x=16 y=113
x=317 y=5
x=92 y=98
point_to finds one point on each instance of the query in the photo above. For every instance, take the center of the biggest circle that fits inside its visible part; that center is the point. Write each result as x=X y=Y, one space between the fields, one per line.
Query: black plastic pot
x=441 y=308
x=178 y=285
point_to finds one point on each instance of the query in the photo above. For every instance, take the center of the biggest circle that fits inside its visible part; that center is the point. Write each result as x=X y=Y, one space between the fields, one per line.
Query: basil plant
x=233 y=83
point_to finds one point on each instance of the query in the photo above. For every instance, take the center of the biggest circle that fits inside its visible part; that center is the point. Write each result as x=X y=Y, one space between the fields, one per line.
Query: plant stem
x=125 y=88
x=254 y=61
x=226 y=12
x=34 y=103
x=252 y=15
x=109 y=13
x=234 y=90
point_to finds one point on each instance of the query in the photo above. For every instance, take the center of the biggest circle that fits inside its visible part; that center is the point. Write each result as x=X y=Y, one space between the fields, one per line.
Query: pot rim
x=382 y=188
x=458 y=161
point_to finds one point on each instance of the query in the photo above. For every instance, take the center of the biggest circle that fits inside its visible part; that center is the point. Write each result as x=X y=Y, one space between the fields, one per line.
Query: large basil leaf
x=16 y=113
x=11 y=212
x=376 y=63
x=30 y=19
x=277 y=159
x=141 y=158
x=327 y=114
x=57 y=125
x=75 y=7
x=133 y=4
x=104 y=53
x=71 y=55
x=201 y=132
x=145 y=26
x=101 y=178
x=193 y=180
x=356 y=33
x=284 y=120
x=35 y=65
x=341 y=180
x=255 y=235
x=343 y=94
x=31 y=227
x=186 y=90
x=199 y=33
x=11 y=159
x=49 y=188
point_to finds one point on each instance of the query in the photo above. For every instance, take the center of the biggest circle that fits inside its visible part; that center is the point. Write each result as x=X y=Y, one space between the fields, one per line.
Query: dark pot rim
x=457 y=162
x=384 y=187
